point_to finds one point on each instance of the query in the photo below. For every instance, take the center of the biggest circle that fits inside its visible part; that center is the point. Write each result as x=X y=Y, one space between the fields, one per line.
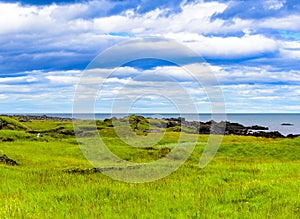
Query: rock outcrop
x=4 y=159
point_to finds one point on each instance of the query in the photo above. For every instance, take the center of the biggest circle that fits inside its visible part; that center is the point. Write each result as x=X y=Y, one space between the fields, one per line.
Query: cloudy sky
x=252 y=47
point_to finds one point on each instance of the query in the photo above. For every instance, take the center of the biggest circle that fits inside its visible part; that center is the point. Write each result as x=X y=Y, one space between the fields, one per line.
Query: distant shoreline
x=235 y=128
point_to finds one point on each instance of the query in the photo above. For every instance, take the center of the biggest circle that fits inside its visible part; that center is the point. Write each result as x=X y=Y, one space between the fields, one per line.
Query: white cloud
x=290 y=50
x=18 y=79
x=273 y=4
x=63 y=18
x=262 y=74
x=12 y=89
x=13 y=17
x=63 y=79
x=193 y=18
x=227 y=47
x=291 y=22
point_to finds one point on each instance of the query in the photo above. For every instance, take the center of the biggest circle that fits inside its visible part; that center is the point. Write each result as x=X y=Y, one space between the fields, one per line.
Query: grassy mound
x=7 y=123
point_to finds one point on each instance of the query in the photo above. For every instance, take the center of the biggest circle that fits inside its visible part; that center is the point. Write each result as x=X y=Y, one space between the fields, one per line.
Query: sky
x=251 y=47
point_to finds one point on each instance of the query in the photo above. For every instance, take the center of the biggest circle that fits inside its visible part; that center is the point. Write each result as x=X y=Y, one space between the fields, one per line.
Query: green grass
x=248 y=178
x=44 y=125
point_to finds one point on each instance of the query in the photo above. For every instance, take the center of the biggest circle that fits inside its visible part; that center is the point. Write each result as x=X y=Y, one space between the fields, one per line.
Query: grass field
x=248 y=178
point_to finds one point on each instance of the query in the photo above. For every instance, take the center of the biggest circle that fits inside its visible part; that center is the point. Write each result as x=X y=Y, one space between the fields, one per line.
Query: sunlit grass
x=248 y=178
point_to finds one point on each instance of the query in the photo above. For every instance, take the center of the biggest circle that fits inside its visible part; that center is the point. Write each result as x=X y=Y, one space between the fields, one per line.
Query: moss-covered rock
x=4 y=159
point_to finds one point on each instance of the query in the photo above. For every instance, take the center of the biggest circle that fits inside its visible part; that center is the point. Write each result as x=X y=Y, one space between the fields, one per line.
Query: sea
x=285 y=123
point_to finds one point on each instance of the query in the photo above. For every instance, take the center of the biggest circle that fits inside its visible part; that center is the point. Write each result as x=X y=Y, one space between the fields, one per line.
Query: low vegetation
x=250 y=177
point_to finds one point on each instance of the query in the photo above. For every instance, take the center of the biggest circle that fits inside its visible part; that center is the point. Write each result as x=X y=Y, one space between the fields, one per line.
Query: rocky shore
x=141 y=124
x=227 y=128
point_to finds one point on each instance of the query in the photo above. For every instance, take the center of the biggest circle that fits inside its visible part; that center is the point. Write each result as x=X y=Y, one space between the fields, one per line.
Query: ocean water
x=272 y=121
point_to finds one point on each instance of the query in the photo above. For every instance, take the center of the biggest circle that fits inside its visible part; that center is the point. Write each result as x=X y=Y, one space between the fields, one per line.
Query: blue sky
x=252 y=47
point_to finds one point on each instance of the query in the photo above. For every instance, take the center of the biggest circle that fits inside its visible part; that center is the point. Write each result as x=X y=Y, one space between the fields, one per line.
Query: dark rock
x=4 y=159
x=108 y=122
x=171 y=124
x=204 y=128
x=6 y=139
x=149 y=148
x=292 y=136
x=163 y=152
x=257 y=127
x=274 y=134
x=24 y=120
x=67 y=132
x=287 y=124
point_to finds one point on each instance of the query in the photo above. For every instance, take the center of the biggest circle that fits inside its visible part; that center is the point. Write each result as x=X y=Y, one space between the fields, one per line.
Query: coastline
x=205 y=127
